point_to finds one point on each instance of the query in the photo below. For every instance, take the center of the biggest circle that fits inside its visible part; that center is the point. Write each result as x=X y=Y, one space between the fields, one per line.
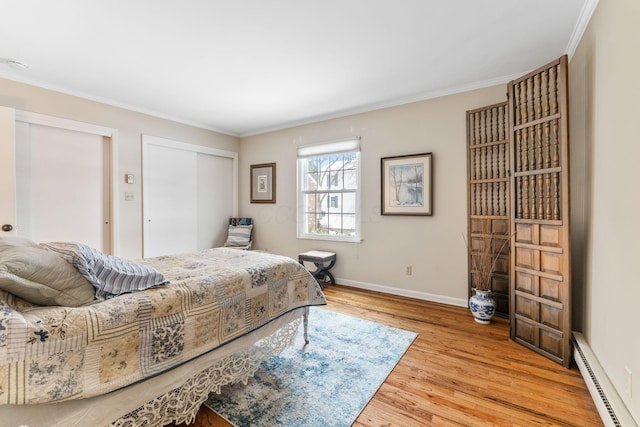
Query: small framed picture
x=406 y=185
x=263 y=183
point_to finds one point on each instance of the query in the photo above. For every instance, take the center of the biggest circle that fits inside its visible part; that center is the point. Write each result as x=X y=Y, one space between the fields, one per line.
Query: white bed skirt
x=175 y=395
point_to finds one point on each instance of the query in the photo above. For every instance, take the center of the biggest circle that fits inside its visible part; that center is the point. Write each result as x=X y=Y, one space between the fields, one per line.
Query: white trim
x=92 y=129
x=390 y=103
x=458 y=302
x=586 y=13
x=115 y=191
x=170 y=143
x=58 y=122
x=22 y=78
x=610 y=405
x=331 y=238
x=286 y=125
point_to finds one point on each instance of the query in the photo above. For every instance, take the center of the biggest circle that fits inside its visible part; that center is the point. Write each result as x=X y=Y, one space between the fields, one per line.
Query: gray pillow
x=110 y=275
x=41 y=277
x=14 y=241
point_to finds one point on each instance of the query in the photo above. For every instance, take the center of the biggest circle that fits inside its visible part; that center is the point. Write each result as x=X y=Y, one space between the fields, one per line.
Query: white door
x=8 y=213
x=189 y=193
x=62 y=184
x=55 y=179
x=215 y=199
x=169 y=200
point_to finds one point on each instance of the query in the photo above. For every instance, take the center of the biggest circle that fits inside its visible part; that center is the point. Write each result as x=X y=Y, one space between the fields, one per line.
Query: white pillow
x=110 y=275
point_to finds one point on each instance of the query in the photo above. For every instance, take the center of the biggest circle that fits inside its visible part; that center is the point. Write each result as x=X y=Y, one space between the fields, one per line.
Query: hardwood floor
x=458 y=372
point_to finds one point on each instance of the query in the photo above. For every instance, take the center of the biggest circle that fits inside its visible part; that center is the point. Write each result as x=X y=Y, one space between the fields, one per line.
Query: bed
x=146 y=356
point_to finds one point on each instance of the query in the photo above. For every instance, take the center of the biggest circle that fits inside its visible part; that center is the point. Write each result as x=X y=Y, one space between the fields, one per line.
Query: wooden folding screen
x=540 y=291
x=518 y=189
x=488 y=196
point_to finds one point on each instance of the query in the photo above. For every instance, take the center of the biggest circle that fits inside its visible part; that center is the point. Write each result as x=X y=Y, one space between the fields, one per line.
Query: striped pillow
x=239 y=235
x=110 y=275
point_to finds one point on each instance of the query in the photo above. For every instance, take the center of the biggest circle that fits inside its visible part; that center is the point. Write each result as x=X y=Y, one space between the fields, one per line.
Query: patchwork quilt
x=55 y=353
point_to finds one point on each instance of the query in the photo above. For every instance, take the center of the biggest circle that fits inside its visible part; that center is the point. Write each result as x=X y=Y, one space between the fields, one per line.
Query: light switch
x=128 y=178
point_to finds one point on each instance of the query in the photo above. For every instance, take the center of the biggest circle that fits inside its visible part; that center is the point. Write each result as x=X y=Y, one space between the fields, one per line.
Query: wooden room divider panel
x=488 y=197
x=518 y=190
x=540 y=306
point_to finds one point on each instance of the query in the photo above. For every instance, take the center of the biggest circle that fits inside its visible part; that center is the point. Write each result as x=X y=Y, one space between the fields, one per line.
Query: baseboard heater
x=610 y=406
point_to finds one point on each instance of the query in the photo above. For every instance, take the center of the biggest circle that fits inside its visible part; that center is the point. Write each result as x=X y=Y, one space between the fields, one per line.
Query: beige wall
x=605 y=148
x=130 y=126
x=433 y=246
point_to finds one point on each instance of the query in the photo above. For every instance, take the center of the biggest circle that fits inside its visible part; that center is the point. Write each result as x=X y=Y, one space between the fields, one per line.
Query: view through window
x=329 y=195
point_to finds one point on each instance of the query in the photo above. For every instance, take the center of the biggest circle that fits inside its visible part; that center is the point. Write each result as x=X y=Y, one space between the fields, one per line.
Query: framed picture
x=406 y=185
x=263 y=183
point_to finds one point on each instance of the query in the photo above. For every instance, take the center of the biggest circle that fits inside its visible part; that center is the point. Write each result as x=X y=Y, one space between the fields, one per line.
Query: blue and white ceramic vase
x=482 y=306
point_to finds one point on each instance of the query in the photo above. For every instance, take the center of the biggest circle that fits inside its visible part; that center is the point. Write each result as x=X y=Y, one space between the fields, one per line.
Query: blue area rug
x=326 y=383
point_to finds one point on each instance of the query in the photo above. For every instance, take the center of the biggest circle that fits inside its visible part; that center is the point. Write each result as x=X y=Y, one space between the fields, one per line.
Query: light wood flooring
x=458 y=372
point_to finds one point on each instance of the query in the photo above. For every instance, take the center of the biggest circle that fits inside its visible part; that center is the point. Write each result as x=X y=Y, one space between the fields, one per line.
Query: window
x=329 y=191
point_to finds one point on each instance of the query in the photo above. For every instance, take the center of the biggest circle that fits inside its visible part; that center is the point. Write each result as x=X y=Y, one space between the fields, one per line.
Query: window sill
x=330 y=238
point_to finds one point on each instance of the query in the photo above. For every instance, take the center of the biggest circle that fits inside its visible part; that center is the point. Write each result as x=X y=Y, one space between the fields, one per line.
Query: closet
x=56 y=179
x=189 y=192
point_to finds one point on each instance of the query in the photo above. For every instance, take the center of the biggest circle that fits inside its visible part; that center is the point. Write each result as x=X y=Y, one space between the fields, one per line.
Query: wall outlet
x=409 y=270
x=129 y=196
x=629 y=382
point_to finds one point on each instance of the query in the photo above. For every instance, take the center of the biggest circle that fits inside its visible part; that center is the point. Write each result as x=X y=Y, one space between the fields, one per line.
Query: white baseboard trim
x=404 y=293
x=610 y=406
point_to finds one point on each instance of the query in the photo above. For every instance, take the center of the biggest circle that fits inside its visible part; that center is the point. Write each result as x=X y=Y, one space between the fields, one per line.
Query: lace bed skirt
x=178 y=393
x=181 y=404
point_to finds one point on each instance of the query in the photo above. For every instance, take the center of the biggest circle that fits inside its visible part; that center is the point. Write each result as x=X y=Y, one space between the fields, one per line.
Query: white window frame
x=323 y=149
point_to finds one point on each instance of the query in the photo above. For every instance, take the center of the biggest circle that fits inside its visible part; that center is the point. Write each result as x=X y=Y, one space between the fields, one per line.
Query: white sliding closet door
x=189 y=192
x=8 y=218
x=62 y=184
x=170 y=200
x=56 y=179
x=215 y=199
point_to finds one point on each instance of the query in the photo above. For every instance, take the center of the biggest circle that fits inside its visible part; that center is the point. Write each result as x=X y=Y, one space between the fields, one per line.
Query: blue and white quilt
x=56 y=353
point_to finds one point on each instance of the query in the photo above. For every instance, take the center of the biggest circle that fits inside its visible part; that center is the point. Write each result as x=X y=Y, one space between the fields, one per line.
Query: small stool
x=320 y=259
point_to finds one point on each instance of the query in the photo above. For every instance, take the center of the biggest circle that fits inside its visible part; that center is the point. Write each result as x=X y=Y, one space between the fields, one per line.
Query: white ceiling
x=249 y=66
